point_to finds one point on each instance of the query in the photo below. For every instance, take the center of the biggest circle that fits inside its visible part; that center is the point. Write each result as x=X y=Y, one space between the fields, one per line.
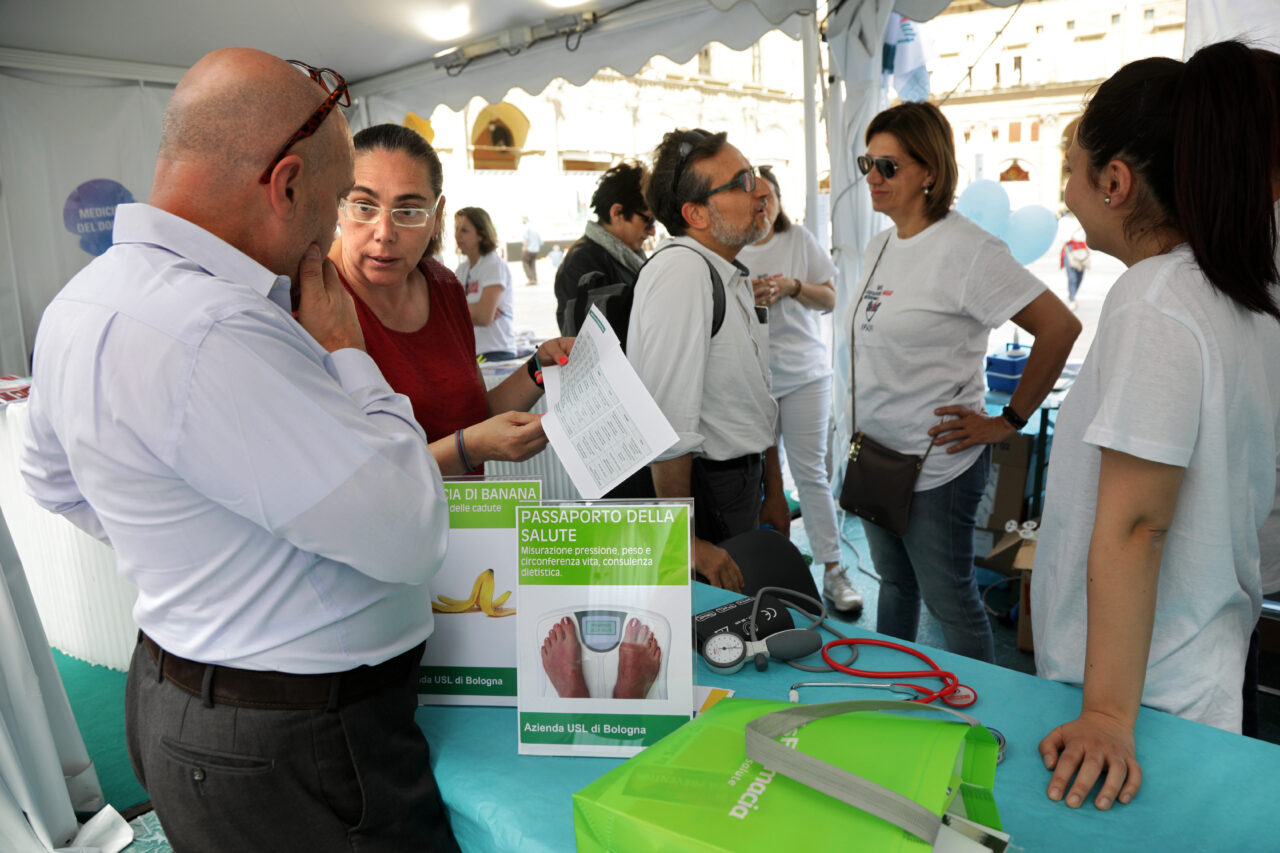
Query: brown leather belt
x=281 y=691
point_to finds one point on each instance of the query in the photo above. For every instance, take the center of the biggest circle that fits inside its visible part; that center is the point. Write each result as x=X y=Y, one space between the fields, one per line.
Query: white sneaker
x=837 y=588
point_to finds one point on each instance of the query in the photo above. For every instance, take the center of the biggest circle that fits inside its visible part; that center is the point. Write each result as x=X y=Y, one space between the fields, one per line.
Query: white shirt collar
x=142 y=223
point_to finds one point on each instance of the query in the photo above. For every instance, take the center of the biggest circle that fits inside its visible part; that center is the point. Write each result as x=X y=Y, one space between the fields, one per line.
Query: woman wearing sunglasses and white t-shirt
x=935 y=285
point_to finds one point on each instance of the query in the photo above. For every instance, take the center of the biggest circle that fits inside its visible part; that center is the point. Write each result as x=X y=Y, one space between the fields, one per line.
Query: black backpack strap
x=717 y=297
x=717 y=285
x=593 y=286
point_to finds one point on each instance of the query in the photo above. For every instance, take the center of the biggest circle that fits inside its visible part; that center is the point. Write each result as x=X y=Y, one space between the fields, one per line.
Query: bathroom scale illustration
x=611 y=640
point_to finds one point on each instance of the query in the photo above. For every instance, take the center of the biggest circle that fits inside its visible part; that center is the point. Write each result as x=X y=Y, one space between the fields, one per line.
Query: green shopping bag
x=750 y=774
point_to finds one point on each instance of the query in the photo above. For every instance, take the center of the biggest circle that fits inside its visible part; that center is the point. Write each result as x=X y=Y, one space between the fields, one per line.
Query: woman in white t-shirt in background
x=487 y=281
x=1146 y=582
x=935 y=286
x=795 y=278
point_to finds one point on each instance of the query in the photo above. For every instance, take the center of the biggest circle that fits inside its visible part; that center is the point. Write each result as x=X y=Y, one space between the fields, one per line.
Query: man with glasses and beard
x=272 y=499
x=714 y=389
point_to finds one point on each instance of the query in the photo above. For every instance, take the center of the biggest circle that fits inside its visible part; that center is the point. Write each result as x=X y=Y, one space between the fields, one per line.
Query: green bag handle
x=861 y=793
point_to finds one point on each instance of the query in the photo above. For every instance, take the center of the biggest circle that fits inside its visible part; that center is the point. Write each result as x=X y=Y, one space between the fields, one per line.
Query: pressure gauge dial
x=725 y=652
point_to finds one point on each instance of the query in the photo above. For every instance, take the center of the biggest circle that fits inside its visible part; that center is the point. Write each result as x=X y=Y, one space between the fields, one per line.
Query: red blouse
x=435 y=367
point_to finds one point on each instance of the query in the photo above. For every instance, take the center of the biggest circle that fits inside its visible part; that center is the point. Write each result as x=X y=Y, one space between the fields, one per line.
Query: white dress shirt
x=275 y=504
x=714 y=391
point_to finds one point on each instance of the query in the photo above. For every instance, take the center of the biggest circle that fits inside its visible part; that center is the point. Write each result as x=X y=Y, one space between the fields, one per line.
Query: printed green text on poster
x=601 y=544
x=479 y=503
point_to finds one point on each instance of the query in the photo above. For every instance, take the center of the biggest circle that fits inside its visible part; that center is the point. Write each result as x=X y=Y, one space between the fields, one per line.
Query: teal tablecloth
x=1203 y=789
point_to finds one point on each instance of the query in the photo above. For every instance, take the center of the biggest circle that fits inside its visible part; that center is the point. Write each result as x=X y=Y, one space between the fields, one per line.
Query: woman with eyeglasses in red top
x=413 y=312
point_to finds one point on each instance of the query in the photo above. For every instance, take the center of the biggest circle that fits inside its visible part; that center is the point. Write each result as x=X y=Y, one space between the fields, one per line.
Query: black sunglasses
x=886 y=167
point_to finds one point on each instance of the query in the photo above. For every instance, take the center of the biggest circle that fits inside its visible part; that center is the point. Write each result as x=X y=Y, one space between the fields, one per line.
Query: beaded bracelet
x=462 y=453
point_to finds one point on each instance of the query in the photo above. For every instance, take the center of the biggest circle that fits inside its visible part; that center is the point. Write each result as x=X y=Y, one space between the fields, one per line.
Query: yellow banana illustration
x=481 y=599
x=454 y=605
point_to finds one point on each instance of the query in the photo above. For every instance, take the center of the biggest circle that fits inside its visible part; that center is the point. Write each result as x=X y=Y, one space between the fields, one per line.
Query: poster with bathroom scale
x=471 y=654
x=604 y=635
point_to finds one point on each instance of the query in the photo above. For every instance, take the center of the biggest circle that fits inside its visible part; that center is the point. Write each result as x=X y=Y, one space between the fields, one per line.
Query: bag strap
x=853 y=352
x=717 y=285
x=836 y=782
x=853 y=345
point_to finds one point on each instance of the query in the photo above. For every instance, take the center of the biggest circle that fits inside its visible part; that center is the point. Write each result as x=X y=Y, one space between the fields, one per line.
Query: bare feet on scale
x=639 y=659
x=562 y=660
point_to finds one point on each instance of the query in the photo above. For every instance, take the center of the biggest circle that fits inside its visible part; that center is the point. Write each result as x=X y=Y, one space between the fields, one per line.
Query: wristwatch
x=1017 y=420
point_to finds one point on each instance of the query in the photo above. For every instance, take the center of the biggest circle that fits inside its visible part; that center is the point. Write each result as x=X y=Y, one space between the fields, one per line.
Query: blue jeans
x=1074 y=277
x=935 y=559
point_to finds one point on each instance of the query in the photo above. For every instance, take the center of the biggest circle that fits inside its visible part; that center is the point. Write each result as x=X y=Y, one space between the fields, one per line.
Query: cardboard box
x=1011 y=483
x=1013 y=555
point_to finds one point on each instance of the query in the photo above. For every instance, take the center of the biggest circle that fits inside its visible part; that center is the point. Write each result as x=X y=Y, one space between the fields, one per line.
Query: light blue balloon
x=986 y=203
x=1031 y=232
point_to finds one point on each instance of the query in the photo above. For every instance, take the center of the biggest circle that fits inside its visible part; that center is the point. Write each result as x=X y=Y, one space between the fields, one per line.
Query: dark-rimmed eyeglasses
x=329 y=80
x=886 y=167
x=368 y=213
x=746 y=179
x=648 y=218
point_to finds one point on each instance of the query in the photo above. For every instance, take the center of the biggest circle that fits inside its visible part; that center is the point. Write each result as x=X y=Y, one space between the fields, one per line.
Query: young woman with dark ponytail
x=1163 y=468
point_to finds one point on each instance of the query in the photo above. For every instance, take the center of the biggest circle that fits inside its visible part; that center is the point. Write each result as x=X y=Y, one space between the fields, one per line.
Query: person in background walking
x=1075 y=260
x=530 y=248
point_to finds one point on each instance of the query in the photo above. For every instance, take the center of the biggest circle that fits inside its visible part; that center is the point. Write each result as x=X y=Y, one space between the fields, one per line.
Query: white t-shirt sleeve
x=487 y=273
x=996 y=286
x=818 y=266
x=1150 y=386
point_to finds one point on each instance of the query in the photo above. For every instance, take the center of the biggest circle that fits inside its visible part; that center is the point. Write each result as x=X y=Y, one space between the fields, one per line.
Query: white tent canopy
x=82 y=102
x=83 y=85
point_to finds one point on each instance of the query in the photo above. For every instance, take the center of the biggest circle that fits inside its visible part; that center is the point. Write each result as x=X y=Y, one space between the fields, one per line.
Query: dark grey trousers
x=229 y=779
x=727 y=501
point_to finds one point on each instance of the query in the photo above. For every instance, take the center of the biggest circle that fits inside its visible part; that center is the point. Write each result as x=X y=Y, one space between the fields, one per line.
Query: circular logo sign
x=90 y=212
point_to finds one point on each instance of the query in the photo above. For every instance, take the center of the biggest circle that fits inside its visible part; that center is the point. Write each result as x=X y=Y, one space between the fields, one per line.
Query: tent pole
x=809 y=46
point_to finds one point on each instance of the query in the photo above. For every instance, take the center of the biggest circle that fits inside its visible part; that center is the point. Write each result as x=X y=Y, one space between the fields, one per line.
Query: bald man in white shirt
x=272 y=499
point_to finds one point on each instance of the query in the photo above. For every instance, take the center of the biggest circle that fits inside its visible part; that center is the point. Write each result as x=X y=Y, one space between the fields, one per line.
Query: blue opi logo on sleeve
x=90 y=212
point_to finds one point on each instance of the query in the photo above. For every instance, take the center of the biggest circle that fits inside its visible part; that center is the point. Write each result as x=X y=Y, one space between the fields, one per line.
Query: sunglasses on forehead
x=886 y=167
x=336 y=87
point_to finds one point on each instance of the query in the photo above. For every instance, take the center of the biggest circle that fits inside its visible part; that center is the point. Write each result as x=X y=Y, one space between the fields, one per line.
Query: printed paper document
x=600 y=418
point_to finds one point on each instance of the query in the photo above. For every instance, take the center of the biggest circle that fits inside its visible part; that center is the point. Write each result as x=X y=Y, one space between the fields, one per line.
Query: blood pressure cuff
x=883 y=778
x=736 y=617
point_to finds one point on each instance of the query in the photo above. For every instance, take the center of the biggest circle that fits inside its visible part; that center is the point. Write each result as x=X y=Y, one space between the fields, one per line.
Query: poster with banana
x=471 y=654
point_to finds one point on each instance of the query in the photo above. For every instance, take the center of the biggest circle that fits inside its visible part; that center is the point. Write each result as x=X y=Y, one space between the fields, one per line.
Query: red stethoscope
x=952 y=692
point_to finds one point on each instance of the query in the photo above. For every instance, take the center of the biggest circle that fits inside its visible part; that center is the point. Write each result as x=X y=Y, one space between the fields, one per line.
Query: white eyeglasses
x=402 y=217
